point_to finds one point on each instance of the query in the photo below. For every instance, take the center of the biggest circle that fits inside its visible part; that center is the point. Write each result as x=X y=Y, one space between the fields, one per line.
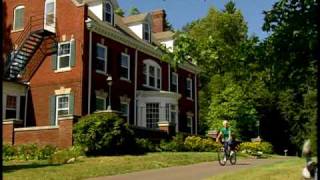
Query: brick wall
x=7 y=132
x=60 y=136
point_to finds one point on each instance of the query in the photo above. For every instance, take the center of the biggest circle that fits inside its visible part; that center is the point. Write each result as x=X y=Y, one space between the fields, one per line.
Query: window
x=152 y=115
x=189 y=88
x=108 y=12
x=151 y=74
x=18 y=19
x=62 y=105
x=100 y=103
x=11 y=107
x=189 y=123
x=64 y=55
x=171 y=113
x=146 y=32
x=174 y=82
x=101 y=59
x=125 y=110
x=50 y=13
x=125 y=66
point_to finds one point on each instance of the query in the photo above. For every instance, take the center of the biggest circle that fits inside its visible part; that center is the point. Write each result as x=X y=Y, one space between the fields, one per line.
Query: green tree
x=134 y=11
x=119 y=12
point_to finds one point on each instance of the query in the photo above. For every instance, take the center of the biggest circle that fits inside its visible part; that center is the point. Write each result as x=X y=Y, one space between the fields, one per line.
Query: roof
x=162 y=36
x=135 y=18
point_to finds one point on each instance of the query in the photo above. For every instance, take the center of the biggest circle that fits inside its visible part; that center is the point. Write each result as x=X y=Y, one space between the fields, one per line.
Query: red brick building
x=76 y=57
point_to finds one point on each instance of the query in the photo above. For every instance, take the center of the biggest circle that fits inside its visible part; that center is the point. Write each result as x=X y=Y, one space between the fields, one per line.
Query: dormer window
x=108 y=12
x=146 y=32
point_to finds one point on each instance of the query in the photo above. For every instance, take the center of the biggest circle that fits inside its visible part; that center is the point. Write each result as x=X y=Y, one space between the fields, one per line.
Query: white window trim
x=128 y=56
x=57 y=105
x=128 y=110
x=105 y=59
x=191 y=88
x=17 y=105
x=14 y=18
x=156 y=66
x=104 y=102
x=68 y=68
x=177 y=83
x=104 y=12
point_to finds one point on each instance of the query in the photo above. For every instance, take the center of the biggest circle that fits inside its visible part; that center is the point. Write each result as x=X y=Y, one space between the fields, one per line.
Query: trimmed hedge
x=198 y=144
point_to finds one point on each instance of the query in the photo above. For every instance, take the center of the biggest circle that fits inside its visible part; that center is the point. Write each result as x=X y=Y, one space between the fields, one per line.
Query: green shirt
x=225 y=133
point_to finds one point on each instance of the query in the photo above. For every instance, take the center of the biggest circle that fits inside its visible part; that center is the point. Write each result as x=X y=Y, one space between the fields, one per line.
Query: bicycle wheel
x=233 y=158
x=222 y=157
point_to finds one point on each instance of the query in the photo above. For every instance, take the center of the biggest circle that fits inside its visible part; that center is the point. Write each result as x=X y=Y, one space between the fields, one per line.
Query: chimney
x=158 y=20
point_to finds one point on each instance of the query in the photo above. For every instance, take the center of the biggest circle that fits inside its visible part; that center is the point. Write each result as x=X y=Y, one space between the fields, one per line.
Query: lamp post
x=109 y=81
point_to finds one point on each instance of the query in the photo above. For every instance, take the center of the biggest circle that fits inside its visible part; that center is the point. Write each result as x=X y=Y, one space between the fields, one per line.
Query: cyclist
x=227 y=138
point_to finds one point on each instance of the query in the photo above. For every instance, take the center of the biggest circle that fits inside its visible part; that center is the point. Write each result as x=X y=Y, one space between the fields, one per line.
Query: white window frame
x=14 y=18
x=189 y=81
x=190 y=118
x=64 y=55
x=104 y=12
x=122 y=66
x=156 y=66
x=104 y=103
x=105 y=59
x=17 y=105
x=177 y=81
x=57 y=105
x=144 y=31
x=154 y=125
x=128 y=110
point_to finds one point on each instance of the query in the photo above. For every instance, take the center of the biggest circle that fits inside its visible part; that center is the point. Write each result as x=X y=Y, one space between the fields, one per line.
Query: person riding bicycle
x=227 y=138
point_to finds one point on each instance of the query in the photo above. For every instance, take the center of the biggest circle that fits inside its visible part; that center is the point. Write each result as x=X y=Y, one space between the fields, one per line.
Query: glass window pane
x=19 y=18
x=64 y=61
x=124 y=109
x=100 y=52
x=151 y=71
x=124 y=61
x=64 y=49
x=63 y=102
x=124 y=72
x=100 y=105
x=11 y=114
x=100 y=65
x=63 y=112
x=11 y=102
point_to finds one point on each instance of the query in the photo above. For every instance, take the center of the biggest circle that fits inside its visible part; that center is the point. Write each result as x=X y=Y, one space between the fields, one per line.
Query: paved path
x=190 y=172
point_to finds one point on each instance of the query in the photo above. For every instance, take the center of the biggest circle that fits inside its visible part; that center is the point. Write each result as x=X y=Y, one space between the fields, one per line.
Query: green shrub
x=45 y=152
x=65 y=155
x=9 y=152
x=104 y=133
x=198 y=144
x=175 y=145
x=27 y=152
x=253 y=148
x=145 y=145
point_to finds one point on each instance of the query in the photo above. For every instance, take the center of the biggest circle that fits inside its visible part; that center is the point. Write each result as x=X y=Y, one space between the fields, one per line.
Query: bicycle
x=224 y=156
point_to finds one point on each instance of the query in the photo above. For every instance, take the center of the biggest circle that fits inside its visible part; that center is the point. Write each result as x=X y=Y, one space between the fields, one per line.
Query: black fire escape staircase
x=26 y=45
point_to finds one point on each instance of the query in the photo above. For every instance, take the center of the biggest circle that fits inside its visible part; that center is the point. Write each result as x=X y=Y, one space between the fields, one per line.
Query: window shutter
x=53 y=110
x=71 y=104
x=22 y=107
x=54 y=58
x=73 y=53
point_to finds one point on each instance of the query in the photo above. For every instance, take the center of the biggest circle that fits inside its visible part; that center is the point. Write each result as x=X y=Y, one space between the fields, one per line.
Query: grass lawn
x=287 y=169
x=101 y=166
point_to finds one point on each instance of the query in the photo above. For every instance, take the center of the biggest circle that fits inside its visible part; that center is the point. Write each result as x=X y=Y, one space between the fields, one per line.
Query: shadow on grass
x=15 y=167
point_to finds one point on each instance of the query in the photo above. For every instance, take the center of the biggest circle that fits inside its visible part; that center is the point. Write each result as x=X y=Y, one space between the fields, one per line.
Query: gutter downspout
x=90 y=66
x=135 y=87
x=25 y=106
x=196 y=104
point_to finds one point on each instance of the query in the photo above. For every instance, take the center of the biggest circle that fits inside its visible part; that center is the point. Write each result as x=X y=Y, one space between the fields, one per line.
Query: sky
x=180 y=12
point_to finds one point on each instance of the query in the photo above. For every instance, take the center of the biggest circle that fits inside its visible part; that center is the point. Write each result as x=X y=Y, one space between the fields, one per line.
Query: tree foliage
x=134 y=11
x=250 y=82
